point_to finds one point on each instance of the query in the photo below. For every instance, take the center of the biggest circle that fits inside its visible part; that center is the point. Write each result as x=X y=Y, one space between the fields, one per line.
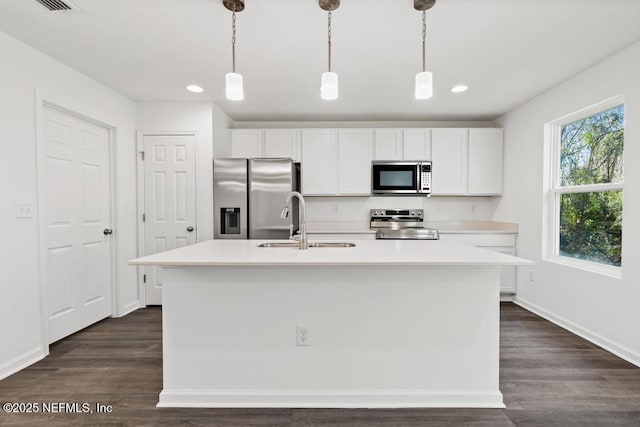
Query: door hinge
x=144 y=217
x=144 y=278
x=142 y=152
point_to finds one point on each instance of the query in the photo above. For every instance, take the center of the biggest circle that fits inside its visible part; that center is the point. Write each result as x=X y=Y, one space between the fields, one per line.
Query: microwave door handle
x=418 y=183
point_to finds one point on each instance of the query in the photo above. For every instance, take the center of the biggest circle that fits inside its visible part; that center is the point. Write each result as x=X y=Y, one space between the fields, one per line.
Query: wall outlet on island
x=532 y=276
x=302 y=336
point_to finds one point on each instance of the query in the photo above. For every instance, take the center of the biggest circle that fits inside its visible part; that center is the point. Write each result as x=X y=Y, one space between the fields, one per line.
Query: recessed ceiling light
x=195 y=88
x=459 y=88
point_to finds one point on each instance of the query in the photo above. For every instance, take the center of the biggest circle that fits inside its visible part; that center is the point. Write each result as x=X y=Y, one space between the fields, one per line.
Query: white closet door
x=76 y=214
x=170 y=201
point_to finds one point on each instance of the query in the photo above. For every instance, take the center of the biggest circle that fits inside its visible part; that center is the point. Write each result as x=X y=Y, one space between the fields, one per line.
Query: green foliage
x=591 y=153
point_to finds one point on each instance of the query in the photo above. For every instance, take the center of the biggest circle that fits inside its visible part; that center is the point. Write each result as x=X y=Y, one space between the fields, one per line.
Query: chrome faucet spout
x=304 y=244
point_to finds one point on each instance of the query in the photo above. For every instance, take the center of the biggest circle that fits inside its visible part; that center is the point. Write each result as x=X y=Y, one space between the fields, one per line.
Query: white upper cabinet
x=354 y=162
x=337 y=162
x=319 y=162
x=417 y=144
x=387 y=144
x=282 y=143
x=246 y=143
x=449 y=156
x=485 y=161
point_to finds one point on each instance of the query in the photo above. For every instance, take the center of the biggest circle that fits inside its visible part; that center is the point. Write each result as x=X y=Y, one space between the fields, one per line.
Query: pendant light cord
x=329 y=38
x=233 y=41
x=424 y=37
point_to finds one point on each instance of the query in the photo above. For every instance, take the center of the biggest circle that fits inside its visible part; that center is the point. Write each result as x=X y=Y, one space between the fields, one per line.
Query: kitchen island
x=381 y=324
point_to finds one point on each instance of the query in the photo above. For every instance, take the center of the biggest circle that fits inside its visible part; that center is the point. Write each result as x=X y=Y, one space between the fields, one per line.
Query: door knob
x=190 y=228
x=107 y=231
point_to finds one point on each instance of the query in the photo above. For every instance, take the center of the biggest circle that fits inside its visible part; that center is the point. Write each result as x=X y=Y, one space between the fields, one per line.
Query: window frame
x=551 y=230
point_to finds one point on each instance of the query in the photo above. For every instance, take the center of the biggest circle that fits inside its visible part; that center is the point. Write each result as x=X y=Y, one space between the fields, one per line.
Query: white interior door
x=169 y=200
x=77 y=206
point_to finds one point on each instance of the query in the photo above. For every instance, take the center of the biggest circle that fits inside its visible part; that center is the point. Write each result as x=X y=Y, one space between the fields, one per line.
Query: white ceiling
x=506 y=51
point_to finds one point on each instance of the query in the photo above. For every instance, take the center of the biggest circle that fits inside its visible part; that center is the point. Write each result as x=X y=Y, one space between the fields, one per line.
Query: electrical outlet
x=24 y=210
x=473 y=208
x=532 y=277
x=302 y=336
x=335 y=209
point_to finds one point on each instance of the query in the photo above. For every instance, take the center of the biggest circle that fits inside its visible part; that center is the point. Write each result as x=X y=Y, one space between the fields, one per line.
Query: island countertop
x=366 y=252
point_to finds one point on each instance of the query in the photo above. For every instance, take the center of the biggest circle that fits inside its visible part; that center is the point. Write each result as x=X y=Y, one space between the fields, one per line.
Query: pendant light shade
x=424 y=85
x=329 y=86
x=234 y=86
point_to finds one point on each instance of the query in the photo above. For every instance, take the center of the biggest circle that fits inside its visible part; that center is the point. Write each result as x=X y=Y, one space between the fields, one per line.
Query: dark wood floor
x=548 y=377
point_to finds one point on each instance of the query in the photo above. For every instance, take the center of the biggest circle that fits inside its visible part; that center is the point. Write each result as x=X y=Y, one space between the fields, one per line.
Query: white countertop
x=367 y=252
x=444 y=227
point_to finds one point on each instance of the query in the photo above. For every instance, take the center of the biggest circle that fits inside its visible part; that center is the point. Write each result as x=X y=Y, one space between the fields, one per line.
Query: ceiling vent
x=57 y=5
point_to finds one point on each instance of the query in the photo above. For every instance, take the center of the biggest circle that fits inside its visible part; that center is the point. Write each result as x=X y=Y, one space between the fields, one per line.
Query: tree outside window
x=588 y=187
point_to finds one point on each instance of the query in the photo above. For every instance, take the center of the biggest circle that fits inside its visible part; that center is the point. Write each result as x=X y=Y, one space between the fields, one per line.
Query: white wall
x=23 y=71
x=602 y=309
x=435 y=208
x=187 y=117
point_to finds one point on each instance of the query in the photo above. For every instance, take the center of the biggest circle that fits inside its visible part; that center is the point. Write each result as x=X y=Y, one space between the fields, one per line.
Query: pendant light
x=234 y=87
x=424 y=79
x=329 y=79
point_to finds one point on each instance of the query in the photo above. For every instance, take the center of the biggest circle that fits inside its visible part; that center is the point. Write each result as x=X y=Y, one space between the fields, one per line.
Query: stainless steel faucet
x=304 y=243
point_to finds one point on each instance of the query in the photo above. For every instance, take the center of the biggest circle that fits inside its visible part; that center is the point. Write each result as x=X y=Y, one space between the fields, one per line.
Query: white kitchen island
x=390 y=324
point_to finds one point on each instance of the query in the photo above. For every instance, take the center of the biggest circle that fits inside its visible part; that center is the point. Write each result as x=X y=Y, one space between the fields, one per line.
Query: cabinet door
x=319 y=162
x=387 y=144
x=485 y=161
x=417 y=144
x=354 y=162
x=449 y=156
x=282 y=143
x=246 y=143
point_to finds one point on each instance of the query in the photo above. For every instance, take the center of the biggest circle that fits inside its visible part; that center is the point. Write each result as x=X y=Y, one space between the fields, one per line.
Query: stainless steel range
x=397 y=224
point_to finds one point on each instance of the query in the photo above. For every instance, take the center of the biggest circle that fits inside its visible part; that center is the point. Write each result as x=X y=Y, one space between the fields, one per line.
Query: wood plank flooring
x=548 y=377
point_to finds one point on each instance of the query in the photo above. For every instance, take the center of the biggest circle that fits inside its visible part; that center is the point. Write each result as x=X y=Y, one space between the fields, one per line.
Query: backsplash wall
x=435 y=208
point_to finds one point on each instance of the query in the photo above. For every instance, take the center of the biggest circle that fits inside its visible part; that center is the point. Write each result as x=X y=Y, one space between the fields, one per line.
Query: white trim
x=142 y=288
x=19 y=363
x=593 y=337
x=592 y=267
x=589 y=188
x=42 y=100
x=330 y=399
x=553 y=190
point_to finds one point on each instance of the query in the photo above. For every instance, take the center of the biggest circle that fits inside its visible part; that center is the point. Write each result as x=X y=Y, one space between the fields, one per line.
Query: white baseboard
x=330 y=399
x=129 y=309
x=507 y=297
x=597 y=339
x=19 y=363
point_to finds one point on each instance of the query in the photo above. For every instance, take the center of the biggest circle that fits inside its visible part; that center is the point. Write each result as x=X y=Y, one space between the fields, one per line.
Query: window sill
x=592 y=267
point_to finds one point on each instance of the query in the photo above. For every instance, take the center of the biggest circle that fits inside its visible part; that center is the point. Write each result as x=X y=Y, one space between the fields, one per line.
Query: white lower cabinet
x=497 y=242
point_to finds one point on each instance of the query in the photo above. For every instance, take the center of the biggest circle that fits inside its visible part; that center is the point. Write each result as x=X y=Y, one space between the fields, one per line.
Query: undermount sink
x=311 y=245
x=279 y=245
x=332 y=245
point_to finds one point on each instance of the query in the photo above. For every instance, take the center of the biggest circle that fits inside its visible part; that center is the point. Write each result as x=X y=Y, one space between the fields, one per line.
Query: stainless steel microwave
x=401 y=177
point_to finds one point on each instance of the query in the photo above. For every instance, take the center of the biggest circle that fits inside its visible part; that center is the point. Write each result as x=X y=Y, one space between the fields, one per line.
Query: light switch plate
x=24 y=210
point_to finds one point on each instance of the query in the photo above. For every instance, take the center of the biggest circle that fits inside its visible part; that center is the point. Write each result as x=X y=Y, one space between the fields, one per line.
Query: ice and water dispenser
x=230 y=220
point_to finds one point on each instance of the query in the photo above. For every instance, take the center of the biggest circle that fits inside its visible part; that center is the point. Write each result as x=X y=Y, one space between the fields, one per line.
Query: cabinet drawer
x=478 y=239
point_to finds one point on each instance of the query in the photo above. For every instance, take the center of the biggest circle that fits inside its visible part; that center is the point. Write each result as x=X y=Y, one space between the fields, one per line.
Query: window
x=587 y=185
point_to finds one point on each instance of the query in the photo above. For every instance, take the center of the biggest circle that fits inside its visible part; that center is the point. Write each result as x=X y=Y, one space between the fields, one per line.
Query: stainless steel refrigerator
x=248 y=196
